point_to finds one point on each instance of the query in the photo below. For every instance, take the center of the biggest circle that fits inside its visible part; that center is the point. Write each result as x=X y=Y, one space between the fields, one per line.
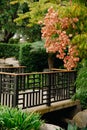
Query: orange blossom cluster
x=57 y=40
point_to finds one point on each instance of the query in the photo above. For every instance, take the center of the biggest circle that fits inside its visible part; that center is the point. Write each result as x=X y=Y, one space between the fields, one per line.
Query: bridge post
x=15 y=99
x=49 y=90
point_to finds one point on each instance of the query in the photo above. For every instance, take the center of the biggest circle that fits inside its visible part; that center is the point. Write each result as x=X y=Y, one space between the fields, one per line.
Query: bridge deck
x=54 y=106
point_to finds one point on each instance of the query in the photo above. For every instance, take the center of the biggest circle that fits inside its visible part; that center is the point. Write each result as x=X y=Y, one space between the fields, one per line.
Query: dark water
x=58 y=117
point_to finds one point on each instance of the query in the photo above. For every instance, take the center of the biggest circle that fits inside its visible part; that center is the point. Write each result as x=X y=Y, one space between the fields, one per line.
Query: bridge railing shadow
x=25 y=90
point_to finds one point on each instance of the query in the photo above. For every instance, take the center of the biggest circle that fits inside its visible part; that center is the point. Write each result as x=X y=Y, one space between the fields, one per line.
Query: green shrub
x=81 y=87
x=38 y=61
x=24 y=54
x=9 y=50
x=33 y=56
x=14 y=119
x=13 y=41
x=81 y=80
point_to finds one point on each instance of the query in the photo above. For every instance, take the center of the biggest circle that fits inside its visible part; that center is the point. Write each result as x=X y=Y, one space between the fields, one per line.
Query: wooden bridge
x=39 y=91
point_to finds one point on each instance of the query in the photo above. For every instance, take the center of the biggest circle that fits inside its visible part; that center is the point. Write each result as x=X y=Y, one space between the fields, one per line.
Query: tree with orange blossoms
x=57 y=35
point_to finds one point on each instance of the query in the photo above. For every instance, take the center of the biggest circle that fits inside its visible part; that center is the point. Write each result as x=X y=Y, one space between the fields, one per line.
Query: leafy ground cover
x=15 y=119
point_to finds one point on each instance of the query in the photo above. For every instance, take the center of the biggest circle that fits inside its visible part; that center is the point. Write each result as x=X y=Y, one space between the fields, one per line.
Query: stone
x=47 y=126
x=2 y=61
x=12 y=61
x=80 y=119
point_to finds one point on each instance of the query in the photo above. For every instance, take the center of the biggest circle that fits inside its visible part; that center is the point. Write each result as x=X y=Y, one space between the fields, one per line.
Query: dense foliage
x=33 y=57
x=81 y=87
x=9 y=50
x=14 y=119
x=7 y=15
x=57 y=34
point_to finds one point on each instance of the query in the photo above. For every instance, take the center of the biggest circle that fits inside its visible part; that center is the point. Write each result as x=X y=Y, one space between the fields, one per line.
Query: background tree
x=7 y=15
x=32 y=32
x=37 y=11
x=8 y=26
x=78 y=9
x=57 y=35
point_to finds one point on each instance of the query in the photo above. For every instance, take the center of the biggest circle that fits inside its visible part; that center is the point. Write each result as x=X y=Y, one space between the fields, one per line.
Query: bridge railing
x=12 y=69
x=26 y=90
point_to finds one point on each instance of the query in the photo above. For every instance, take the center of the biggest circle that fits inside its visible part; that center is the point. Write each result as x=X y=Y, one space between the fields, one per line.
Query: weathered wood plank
x=55 y=106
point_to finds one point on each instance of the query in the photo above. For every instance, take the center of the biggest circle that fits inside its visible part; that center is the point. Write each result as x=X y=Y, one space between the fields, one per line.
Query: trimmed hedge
x=31 y=55
x=33 y=60
x=9 y=50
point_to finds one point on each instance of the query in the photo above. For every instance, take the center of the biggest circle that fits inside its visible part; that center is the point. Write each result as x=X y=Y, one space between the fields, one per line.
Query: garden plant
x=16 y=119
x=81 y=85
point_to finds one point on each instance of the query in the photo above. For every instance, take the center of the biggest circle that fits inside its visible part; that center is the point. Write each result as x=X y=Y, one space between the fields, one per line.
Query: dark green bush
x=31 y=55
x=38 y=61
x=13 y=41
x=25 y=54
x=14 y=119
x=81 y=87
x=9 y=50
x=34 y=60
x=82 y=96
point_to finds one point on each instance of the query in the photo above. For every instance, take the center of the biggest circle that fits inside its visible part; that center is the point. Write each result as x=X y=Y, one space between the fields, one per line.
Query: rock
x=50 y=127
x=9 y=61
x=80 y=119
x=2 y=61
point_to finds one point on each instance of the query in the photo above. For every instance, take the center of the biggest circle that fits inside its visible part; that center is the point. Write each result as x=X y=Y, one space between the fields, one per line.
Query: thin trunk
x=7 y=36
x=50 y=61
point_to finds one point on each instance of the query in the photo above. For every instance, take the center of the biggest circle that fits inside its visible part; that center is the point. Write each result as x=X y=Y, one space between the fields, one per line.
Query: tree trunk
x=7 y=36
x=50 y=61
